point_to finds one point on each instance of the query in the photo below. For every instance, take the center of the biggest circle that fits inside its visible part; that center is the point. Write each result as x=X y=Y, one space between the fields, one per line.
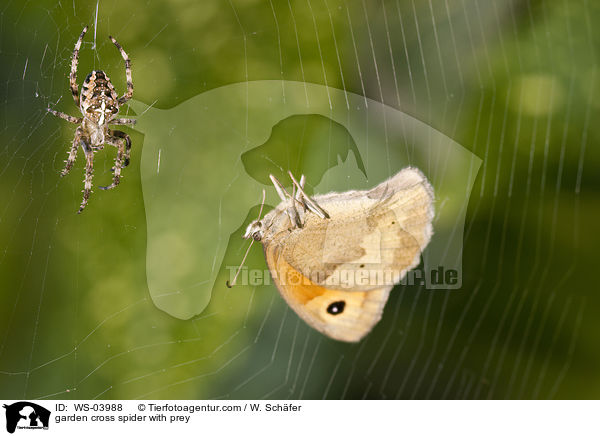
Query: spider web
x=513 y=83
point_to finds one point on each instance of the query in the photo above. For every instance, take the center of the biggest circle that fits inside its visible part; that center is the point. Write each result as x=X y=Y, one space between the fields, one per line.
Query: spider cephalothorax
x=99 y=104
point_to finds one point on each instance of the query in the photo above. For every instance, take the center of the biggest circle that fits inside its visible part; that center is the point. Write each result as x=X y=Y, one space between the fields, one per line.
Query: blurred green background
x=514 y=82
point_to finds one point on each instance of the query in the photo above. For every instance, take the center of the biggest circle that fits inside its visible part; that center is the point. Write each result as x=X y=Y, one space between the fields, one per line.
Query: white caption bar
x=301 y=417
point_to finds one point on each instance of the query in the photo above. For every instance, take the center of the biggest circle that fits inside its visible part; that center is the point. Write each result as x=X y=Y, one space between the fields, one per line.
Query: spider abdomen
x=98 y=98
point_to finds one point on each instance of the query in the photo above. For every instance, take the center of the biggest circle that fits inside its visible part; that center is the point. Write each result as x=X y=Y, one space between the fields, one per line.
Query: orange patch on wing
x=296 y=284
x=310 y=301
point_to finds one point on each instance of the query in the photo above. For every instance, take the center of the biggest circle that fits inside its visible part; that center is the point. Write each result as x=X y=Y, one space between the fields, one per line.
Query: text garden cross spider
x=99 y=105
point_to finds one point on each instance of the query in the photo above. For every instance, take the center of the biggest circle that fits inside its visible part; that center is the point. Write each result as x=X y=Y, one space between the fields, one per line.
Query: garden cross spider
x=99 y=104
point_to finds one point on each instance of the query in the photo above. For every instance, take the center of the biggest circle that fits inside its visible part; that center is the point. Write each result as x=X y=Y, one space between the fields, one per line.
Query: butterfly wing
x=344 y=316
x=372 y=238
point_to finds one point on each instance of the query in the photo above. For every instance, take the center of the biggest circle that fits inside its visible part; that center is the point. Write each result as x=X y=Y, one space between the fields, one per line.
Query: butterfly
x=335 y=257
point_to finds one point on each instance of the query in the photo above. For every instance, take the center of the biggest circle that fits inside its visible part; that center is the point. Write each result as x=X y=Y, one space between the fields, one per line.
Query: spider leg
x=121 y=144
x=73 y=152
x=124 y=136
x=69 y=118
x=74 y=62
x=123 y=121
x=89 y=173
x=129 y=92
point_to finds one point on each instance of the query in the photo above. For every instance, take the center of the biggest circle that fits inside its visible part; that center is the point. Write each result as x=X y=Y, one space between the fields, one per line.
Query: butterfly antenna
x=262 y=203
x=230 y=285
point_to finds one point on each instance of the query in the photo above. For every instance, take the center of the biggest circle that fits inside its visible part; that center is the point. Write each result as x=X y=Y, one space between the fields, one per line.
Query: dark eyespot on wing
x=336 y=307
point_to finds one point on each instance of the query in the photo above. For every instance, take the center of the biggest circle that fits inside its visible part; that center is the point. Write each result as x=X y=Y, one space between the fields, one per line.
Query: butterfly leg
x=308 y=202
x=284 y=195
